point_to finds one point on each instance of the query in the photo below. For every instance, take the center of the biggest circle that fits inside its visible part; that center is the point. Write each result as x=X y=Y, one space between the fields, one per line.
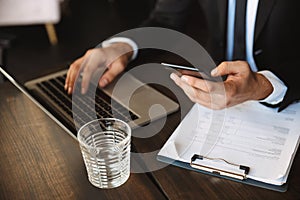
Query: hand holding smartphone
x=191 y=71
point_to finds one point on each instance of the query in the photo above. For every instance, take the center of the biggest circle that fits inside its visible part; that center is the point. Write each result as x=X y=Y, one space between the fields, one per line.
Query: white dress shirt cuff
x=130 y=42
x=279 y=88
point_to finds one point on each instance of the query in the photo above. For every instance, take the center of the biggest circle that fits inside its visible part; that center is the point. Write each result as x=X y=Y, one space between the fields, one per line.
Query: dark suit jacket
x=277 y=35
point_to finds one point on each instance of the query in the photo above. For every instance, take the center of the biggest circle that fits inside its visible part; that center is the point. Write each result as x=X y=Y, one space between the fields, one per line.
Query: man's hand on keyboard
x=114 y=58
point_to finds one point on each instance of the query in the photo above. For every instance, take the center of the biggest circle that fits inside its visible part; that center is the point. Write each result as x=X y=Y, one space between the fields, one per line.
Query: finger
x=210 y=100
x=67 y=78
x=72 y=75
x=198 y=83
x=86 y=78
x=226 y=68
x=196 y=95
x=182 y=84
x=113 y=71
x=89 y=67
x=175 y=77
x=204 y=85
x=73 y=72
x=188 y=90
x=93 y=67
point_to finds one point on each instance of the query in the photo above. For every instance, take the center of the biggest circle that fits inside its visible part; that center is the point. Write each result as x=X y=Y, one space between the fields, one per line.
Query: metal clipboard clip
x=233 y=170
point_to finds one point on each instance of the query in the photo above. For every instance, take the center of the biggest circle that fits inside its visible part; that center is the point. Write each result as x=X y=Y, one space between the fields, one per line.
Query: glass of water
x=105 y=147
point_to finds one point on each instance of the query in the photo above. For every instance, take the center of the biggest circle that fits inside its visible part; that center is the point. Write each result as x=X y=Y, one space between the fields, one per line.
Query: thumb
x=226 y=68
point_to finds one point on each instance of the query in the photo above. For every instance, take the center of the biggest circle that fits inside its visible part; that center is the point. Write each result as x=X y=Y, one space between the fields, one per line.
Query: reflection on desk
x=39 y=160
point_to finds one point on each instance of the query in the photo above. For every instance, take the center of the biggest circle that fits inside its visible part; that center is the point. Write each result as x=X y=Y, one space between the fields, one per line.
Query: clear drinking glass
x=105 y=147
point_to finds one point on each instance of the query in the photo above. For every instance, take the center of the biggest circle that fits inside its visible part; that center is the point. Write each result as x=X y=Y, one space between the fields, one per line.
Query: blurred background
x=82 y=25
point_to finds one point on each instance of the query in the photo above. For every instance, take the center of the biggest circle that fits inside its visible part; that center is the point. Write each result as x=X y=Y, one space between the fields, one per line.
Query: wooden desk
x=39 y=160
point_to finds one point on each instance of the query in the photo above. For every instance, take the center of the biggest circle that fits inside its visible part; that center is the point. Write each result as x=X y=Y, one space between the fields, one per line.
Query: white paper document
x=249 y=134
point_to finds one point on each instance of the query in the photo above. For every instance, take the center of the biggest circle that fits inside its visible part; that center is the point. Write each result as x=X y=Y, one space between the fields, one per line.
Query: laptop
x=129 y=100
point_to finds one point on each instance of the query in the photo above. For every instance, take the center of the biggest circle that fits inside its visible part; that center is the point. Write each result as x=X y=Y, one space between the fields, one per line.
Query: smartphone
x=191 y=71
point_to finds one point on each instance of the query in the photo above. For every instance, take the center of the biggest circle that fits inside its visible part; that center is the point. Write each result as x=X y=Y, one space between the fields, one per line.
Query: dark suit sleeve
x=288 y=72
x=169 y=14
x=277 y=46
x=286 y=16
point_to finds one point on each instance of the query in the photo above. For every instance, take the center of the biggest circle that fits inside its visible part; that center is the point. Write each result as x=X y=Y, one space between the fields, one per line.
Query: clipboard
x=247 y=181
x=256 y=138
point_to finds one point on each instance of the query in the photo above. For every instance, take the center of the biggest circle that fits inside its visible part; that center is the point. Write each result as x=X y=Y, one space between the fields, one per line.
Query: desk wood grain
x=39 y=160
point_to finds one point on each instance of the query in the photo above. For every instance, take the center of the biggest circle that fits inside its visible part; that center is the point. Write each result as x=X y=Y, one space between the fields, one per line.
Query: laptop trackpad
x=139 y=97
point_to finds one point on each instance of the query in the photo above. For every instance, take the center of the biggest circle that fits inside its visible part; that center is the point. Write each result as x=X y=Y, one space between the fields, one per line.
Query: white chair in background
x=30 y=12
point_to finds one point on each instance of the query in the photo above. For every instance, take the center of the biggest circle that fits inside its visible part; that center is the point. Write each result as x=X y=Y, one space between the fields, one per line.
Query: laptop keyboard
x=83 y=105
